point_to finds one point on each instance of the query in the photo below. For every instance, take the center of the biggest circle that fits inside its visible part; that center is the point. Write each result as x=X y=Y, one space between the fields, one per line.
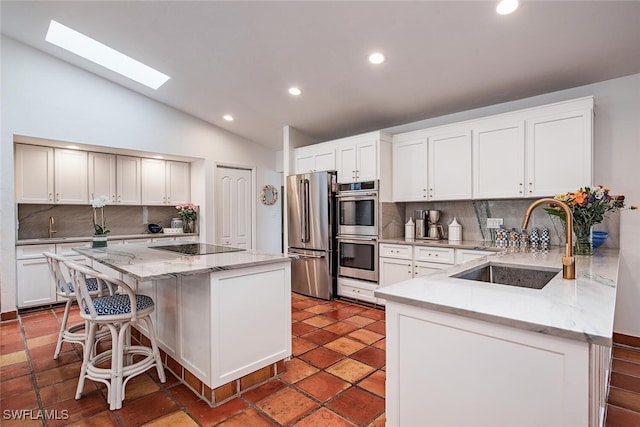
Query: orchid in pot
x=100 y=229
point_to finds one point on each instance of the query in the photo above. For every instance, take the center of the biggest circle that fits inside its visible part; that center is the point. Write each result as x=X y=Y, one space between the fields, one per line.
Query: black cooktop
x=197 y=249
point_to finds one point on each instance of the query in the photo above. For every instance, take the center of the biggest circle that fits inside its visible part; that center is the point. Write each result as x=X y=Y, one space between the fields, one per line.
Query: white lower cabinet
x=403 y=262
x=35 y=284
x=399 y=262
x=507 y=376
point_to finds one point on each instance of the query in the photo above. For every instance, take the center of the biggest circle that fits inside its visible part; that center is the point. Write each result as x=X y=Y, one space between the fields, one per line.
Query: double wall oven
x=357 y=217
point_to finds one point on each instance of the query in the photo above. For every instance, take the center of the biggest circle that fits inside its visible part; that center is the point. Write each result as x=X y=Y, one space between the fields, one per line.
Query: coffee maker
x=435 y=232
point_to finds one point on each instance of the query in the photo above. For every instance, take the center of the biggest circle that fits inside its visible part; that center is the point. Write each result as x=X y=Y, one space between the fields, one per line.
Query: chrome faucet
x=568 y=261
x=51 y=230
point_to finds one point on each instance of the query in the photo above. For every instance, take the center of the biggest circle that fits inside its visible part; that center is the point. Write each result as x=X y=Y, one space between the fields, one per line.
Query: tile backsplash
x=473 y=214
x=77 y=220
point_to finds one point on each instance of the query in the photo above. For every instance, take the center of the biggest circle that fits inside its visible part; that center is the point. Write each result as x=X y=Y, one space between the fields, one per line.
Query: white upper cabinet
x=178 y=182
x=450 y=166
x=70 y=176
x=499 y=160
x=314 y=158
x=128 y=181
x=102 y=176
x=34 y=174
x=559 y=152
x=537 y=152
x=165 y=182
x=409 y=168
x=153 y=182
x=364 y=157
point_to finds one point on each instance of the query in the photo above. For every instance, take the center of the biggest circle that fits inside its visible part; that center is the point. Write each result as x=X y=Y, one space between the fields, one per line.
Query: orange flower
x=580 y=197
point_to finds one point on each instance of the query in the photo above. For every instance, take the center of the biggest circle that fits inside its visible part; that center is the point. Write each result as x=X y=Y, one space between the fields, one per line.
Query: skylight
x=103 y=55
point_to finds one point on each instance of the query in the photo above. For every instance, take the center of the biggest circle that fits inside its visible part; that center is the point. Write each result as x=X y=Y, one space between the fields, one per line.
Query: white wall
x=616 y=151
x=48 y=98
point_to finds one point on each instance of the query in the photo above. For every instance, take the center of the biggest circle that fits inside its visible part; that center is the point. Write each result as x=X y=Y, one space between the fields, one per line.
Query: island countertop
x=142 y=262
x=581 y=309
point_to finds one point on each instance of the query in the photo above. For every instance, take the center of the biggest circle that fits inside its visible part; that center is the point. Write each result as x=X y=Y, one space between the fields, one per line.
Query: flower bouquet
x=589 y=207
x=188 y=213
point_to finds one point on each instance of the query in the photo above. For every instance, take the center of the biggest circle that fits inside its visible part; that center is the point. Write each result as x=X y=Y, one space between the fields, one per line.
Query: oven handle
x=354 y=239
x=355 y=195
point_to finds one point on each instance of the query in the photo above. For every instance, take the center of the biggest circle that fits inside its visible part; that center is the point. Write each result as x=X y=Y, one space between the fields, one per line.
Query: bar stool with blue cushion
x=117 y=313
x=65 y=290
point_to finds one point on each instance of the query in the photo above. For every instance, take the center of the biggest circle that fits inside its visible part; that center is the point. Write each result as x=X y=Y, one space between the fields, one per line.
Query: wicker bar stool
x=117 y=313
x=65 y=290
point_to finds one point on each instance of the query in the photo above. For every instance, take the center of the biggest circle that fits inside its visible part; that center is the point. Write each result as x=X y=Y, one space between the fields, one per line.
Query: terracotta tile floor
x=623 y=409
x=335 y=377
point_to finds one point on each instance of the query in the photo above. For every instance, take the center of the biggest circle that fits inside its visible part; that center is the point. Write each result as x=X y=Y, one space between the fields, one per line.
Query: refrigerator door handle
x=310 y=256
x=305 y=211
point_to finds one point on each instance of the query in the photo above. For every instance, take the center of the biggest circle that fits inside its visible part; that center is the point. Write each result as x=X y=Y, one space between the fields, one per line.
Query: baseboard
x=9 y=315
x=629 y=340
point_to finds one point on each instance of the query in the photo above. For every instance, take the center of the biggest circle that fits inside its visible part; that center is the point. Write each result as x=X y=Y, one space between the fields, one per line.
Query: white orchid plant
x=99 y=203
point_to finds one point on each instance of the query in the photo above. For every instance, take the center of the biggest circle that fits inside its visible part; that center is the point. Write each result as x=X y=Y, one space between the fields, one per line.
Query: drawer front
x=356 y=290
x=396 y=251
x=65 y=249
x=33 y=251
x=464 y=255
x=433 y=254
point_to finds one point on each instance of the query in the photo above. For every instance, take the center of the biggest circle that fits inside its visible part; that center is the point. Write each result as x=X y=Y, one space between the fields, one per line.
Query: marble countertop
x=581 y=309
x=461 y=244
x=52 y=240
x=142 y=262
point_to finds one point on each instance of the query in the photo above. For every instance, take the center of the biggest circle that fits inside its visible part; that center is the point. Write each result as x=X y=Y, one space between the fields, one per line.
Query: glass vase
x=582 y=243
x=188 y=226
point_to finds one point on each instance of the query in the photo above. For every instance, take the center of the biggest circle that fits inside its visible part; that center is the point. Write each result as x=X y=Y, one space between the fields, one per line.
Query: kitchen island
x=465 y=352
x=222 y=320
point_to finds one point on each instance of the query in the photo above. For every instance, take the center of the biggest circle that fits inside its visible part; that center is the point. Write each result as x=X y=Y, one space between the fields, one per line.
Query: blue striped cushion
x=92 y=285
x=119 y=304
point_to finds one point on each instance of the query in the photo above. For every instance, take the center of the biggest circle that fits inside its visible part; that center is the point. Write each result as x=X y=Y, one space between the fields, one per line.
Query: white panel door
x=34 y=174
x=178 y=182
x=153 y=182
x=128 y=180
x=450 y=166
x=70 y=172
x=347 y=164
x=102 y=176
x=410 y=170
x=498 y=161
x=234 y=191
x=367 y=161
x=559 y=153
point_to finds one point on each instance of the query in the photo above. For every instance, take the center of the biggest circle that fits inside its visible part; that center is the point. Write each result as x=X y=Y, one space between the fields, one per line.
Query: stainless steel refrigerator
x=311 y=230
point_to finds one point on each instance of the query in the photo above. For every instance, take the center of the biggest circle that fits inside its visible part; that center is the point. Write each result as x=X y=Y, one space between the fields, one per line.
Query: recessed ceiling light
x=377 y=58
x=158 y=157
x=295 y=91
x=228 y=117
x=103 y=55
x=506 y=7
x=73 y=147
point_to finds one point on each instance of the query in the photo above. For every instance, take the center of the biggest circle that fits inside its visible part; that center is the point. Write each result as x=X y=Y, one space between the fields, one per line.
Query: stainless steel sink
x=507 y=274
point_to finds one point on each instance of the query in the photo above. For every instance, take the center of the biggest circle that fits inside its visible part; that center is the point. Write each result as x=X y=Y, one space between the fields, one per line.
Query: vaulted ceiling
x=240 y=57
